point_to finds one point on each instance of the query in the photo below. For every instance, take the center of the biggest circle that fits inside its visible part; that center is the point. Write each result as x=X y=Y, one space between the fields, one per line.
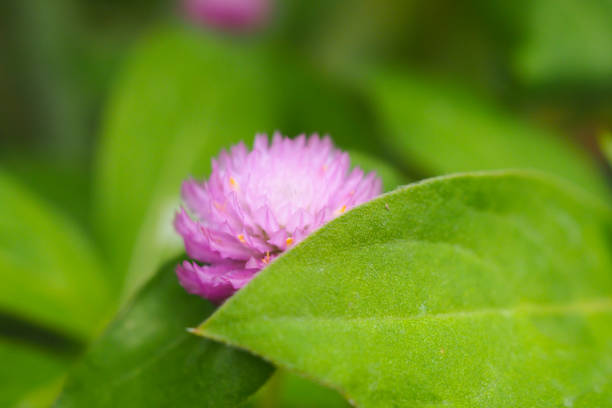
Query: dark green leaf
x=325 y=104
x=442 y=130
x=25 y=369
x=62 y=183
x=605 y=141
x=478 y=290
x=50 y=272
x=148 y=359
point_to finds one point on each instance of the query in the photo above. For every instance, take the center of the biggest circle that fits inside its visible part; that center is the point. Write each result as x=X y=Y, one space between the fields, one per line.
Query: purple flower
x=259 y=203
x=232 y=15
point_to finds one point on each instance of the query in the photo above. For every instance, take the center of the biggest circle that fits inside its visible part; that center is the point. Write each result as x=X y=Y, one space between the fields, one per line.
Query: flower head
x=232 y=15
x=256 y=204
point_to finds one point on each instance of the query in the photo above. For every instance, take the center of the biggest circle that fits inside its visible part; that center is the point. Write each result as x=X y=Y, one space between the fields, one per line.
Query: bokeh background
x=106 y=106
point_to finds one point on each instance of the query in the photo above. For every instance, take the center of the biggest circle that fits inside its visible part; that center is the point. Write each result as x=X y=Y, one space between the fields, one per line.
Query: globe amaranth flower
x=230 y=15
x=256 y=204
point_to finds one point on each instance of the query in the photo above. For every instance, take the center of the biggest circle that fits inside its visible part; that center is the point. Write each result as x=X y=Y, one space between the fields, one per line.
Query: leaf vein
x=596 y=306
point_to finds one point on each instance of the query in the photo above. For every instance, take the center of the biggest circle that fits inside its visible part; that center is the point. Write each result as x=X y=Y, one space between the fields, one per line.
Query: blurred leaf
x=66 y=185
x=298 y=392
x=287 y=390
x=24 y=369
x=442 y=130
x=479 y=290
x=50 y=273
x=605 y=141
x=324 y=104
x=391 y=177
x=567 y=40
x=49 y=108
x=148 y=359
x=43 y=396
x=182 y=97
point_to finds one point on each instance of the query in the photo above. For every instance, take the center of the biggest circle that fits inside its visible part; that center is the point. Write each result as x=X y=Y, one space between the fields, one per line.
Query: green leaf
x=43 y=396
x=298 y=392
x=24 y=369
x=50 y=272
x=439 y=130
x=147 y=358
x=287 y=390
x=477 y=290
x=40 y=175
x=391 y=177
x=605 y=141
x=323 y=103
x=568 y=41
x=182 y=98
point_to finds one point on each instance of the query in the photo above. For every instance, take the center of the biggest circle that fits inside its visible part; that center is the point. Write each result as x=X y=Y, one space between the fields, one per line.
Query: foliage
x=51 y=273
x=462 y=290
x=147 y=357
x=164 y=124
x=31 y=368
x=567 y=40
x=606 y=146
x=482 y=289
x=470 y=134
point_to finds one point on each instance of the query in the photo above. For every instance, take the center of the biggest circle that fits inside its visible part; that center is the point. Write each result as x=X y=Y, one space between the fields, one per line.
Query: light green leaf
x=148 y=359
x=50 y=272
x=43 y=396
x=182 y=98
x=566 y=40
x=439 y=130
x=477 y=290
x=287 y=390
x=26 y=368
x=298 y=392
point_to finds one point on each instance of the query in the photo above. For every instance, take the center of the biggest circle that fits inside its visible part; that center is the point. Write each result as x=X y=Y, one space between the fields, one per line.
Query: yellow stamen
x=233 y=184
x=340 y=210
x=289 y=241
x=266 y=258
x=241 y=238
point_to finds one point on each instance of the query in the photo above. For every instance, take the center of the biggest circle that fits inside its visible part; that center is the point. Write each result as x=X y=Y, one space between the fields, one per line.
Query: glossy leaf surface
x=147 y=358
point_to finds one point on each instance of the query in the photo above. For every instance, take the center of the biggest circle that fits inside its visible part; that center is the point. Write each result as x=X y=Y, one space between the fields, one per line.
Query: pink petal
x=257 y=204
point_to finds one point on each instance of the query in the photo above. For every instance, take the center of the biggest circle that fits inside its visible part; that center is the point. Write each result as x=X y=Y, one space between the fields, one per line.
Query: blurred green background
x=106 y=106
